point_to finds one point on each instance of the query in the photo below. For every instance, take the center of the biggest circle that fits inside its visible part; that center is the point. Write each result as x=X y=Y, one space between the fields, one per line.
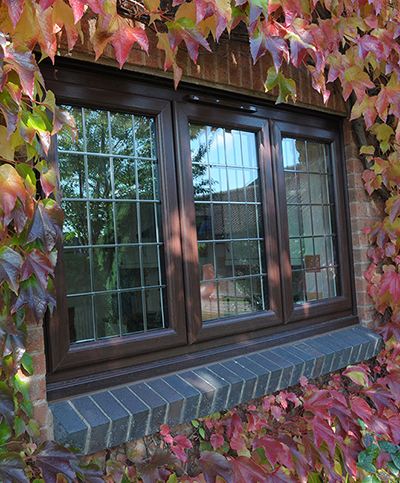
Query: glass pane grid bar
x=112 y=289
x=312 y=238
x=227 y=203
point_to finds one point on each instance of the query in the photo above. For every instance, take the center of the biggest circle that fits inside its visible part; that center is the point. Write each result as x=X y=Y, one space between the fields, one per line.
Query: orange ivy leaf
x=358 y=80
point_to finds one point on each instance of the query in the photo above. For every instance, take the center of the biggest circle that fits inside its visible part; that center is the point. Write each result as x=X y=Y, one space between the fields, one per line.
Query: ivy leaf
x=150 y=469
x=54 y=459
x=266 y=38
x=11 y=188
x=32 y=295
x=12 y=468
x=13 y=341
x=46 y=224
x=10 y=267
x=7 y=405
x=358 y=374
x=221 y=10
x=287 y=87
x=356 y=79
x=89 y=473
x=381 y=397
x=63 y=15
x=170 y=57
x=186 y=30
x=367 y=109
x=368 y=44
x=124 y=37
x=23 y=62
x=10 y=110
x=323 y=433
x=38 y=263
x=15 y=8
x=215 y=464
x=390 y=283
x=290 y=8
x=387 y=447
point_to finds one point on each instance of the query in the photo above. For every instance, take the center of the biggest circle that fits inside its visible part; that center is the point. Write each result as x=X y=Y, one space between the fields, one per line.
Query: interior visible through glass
x=112 y=230
x=229 y=222
x=310 y=209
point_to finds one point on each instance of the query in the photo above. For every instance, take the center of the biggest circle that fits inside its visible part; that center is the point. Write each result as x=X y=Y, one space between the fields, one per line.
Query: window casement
x=194 y=229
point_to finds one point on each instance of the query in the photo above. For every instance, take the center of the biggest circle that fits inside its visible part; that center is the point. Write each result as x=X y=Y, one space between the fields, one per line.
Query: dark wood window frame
x=96 y=365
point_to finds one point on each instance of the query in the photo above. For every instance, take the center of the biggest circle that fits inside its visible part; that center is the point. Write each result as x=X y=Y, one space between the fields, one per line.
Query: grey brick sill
x=109 y=418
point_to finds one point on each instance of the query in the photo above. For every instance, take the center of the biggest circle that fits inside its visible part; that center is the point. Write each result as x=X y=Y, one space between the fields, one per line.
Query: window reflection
x=112 y=230
x=229 y=223
x=312 y=234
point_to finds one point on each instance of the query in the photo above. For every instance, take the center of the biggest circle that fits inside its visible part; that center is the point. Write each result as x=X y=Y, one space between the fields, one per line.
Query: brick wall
x=230 y=68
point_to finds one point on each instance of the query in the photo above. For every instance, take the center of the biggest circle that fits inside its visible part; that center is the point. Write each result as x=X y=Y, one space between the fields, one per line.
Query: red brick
x=209 y=67
x=354 y=180
x=354 y=165
x=35 y=339
x=37 y=387
x=358 y=195
x=359 y=209
x=39 y=364
x=40 y=413
x=152 y=60
x=222 y=64
x=258 y=79
x=183 y=61
x=234 y=68
x=136 y=56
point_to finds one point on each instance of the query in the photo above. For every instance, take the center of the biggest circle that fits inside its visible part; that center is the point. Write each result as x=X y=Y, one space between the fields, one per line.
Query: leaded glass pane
x=229 y=222
x=310 y=203
x=112 y=230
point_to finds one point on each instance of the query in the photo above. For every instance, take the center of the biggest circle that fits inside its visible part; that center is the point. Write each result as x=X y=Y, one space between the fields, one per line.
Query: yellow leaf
x=187 y=10
x=6 y=145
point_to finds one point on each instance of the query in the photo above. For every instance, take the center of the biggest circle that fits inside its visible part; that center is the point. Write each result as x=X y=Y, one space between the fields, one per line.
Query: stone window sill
x=109 y=418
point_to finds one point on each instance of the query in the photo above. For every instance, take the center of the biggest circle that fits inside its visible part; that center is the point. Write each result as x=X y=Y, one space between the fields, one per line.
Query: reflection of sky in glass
x=228 y=221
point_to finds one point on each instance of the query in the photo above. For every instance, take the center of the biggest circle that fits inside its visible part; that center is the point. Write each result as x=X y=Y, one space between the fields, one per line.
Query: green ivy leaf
x=373 y=451
x=202 y=433
x=365 y=465
x=387 y=447
x=19 y=426
x=5 y=432
x=393 y=468
x=27 y=363
x=195 y=423
x=396 y=459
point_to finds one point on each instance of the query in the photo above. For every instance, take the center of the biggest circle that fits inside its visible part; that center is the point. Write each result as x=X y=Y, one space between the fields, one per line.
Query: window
x=194 y=229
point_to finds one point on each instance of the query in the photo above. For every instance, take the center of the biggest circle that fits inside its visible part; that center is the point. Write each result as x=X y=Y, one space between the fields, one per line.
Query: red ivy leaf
x=381 y=397
x=358 y=374
x=362 y=409
x=267 y=38
x=124 y=37
x=15 y=8
x=45 y=4
x=12 y=468
x=32 y=295
x=23 y=62
x=318 y=403
x=216 y=441
x=46 y=224
x=390 y=282
x=186 y=30
x=38 y=263
x=149 y=469
x=389 y=330
x=323 y=433
x=54 y=459
x=370 y=43
x=215 y=464
x=11 y=188
x=10 y=267
x=7 y=405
